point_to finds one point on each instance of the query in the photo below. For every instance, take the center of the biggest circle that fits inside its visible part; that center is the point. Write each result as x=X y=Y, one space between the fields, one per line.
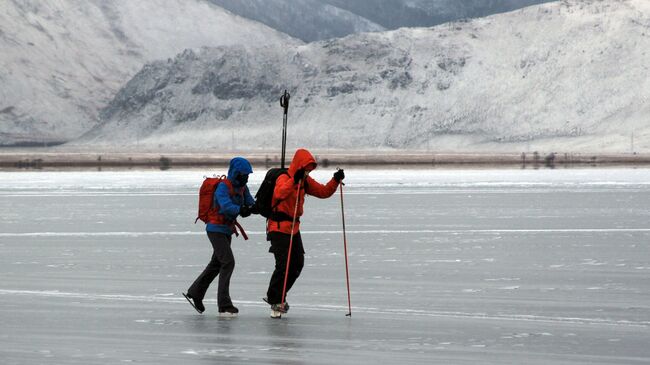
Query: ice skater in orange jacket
x=279 y=224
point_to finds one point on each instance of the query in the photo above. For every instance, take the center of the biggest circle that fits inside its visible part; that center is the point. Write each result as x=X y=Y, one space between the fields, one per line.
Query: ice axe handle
x=284 y=101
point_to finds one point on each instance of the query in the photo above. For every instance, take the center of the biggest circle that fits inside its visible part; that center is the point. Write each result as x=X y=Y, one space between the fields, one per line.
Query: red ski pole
x=293 y=223
x=345 y=249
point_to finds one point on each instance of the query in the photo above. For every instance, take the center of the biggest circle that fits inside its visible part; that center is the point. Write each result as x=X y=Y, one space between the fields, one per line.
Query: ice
x=446 y=266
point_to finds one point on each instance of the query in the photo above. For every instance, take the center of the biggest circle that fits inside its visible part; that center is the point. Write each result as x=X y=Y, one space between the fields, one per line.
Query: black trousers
x=280 y=249
x=222 y=264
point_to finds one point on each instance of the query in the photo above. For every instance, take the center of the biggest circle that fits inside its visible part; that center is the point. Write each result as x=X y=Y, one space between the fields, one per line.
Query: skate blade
x=228 y=315
x=191 y=303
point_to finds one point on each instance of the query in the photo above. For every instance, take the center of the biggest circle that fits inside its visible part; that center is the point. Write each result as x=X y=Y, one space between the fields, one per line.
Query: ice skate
x=195 y=303
x=280 y=308
x=276 y=314
x=230 y=311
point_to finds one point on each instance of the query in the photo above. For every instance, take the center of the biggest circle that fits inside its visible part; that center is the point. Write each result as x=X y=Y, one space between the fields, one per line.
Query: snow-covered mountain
x=309 y=20
x=394 y=14
x=312 y=20
x=62 y=61
x=571 y=75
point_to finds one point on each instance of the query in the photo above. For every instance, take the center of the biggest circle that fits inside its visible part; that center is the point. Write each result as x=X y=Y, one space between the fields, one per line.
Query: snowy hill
x=567 y=75
x=62 y=61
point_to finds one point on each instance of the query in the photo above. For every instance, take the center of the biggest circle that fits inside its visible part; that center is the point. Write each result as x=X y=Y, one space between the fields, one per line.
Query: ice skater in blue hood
x=233 y=199
x=231 y=206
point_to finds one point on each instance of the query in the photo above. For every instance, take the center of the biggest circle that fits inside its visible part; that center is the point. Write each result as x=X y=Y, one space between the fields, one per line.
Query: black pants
x=280 y=249
x=222 y=264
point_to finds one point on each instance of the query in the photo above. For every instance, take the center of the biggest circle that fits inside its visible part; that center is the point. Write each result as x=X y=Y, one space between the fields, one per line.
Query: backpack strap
x=279 y=216
x=231 y=188
x=282 y=217
x=235 y=226
x=274 y=207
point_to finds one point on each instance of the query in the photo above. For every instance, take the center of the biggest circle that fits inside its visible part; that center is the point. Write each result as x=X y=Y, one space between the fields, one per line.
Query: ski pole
x=345 y=249
x=284 y=102
x=293 y=223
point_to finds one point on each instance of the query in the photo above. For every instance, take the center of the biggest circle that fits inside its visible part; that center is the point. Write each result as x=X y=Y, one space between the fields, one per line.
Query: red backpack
x=206 y=201
x=206 y=196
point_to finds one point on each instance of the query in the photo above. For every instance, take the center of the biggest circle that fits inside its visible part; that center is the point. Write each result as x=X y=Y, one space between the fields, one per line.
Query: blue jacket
x=230 y=205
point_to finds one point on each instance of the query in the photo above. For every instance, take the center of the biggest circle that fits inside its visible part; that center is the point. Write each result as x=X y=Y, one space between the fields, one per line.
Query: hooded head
x=302 y=160
x=239 y=170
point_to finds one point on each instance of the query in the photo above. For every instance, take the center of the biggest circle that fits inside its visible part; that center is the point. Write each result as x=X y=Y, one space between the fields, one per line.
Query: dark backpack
x=264 y=195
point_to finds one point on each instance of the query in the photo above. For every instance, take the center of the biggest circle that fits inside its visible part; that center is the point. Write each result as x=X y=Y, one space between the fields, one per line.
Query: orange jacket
x=286 y=188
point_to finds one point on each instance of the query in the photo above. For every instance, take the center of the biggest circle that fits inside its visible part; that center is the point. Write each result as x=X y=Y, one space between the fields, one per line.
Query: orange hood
x=301 y=160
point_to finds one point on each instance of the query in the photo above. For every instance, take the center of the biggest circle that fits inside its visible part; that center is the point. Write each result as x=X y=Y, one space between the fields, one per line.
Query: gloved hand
x=300 y=175
x=244 y=211
x=255 y=209
x=339 y=175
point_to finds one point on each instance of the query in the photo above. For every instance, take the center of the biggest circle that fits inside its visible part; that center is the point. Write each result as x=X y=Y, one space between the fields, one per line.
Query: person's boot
x=229 y=311
x=196 y=303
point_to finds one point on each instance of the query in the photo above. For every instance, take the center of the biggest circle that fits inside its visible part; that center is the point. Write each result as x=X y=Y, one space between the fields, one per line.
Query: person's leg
x=297 y=261
x=279 y=248
x=227 y=261
x=274 y=293
x=200 y=286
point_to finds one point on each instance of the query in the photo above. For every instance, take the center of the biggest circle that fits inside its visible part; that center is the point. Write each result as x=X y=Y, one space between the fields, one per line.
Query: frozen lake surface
x=446 y=266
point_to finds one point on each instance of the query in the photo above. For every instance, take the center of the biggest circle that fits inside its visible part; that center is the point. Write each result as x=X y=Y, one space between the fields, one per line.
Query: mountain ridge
x=315 y=20
x=568 y=74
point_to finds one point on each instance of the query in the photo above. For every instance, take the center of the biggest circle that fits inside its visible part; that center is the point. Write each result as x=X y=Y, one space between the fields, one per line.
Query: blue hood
x=238 y=166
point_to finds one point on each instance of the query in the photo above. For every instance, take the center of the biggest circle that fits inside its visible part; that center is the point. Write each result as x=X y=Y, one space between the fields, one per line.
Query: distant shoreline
x=39 y=160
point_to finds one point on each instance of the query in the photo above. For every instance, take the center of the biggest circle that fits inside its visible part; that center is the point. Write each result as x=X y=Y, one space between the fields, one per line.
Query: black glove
x=244 y=211
x=339 y=175
x=300 y=175
x=255 y=209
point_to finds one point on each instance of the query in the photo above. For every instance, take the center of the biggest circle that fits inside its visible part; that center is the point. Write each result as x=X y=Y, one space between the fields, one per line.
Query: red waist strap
x=236 y=226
